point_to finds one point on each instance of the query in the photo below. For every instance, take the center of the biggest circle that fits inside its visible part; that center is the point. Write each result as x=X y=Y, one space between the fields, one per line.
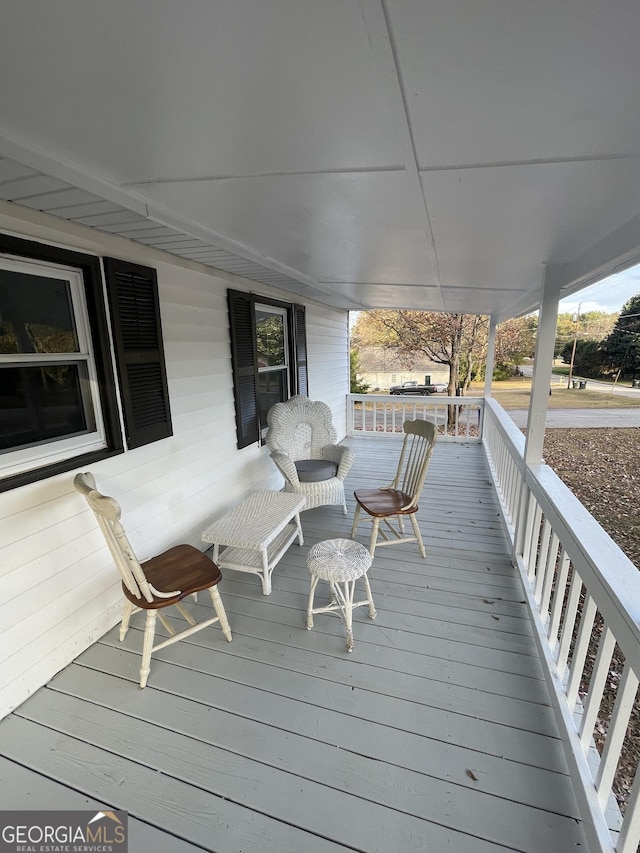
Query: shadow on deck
x=435 y=734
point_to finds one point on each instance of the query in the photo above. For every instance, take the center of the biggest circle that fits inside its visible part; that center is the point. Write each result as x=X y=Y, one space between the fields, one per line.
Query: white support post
x=539 y=400
x=543 y=365
x=491 y=355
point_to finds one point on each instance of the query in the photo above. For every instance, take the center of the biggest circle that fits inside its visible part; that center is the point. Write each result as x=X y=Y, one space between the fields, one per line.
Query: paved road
x=567 y=418
x=559 y=380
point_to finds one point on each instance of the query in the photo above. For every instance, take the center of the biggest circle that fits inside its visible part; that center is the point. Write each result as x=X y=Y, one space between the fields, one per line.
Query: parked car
x=413 y=388
x=441 y=387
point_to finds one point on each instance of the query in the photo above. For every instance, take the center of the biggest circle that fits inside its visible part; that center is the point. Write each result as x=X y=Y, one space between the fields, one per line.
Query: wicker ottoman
x=339 y=562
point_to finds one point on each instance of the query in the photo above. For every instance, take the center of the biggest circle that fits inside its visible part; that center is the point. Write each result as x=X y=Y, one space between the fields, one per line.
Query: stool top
x=338 y=560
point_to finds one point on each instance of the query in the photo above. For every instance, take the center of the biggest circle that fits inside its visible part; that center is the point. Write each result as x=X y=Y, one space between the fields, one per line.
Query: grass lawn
x=515 y=393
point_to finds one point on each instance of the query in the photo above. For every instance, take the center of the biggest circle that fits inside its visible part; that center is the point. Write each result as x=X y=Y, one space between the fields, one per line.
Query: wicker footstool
x=339 y=562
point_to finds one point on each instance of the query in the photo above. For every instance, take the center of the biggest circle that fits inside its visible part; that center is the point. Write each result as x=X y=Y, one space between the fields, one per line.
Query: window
x=58 y=404
x=269 y=358
x=273 y=363
x=49 y=397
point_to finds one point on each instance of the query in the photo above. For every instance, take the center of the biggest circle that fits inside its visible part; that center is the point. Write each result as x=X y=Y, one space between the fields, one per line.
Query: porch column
x=542 y=366
x=539 y=400
x=491 y=356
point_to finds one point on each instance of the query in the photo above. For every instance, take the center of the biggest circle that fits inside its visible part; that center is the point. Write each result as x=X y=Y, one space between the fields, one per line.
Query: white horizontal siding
x=60 y=591
x=328 y=345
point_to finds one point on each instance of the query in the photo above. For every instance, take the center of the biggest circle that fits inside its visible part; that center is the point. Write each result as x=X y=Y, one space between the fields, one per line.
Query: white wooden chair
x=302 y=441
x=157 y=583
x=399 y=498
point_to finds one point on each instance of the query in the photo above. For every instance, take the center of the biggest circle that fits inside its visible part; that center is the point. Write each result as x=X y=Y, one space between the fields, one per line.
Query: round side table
x=339 y=562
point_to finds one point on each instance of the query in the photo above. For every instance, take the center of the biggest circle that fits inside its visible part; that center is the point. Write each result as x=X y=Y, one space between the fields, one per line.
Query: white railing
x=384 y=414
x=584 y=595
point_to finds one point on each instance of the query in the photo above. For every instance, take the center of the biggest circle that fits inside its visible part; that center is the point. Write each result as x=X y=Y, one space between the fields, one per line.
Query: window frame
x=282 y=371
x=24 y=458
x=89 y=267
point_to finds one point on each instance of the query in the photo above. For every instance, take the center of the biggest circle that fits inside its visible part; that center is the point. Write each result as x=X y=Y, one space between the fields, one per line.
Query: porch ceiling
x=431 y=154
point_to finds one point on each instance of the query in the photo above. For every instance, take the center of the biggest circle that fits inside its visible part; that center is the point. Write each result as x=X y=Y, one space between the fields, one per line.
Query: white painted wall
x=328 y=353
x=59 y=591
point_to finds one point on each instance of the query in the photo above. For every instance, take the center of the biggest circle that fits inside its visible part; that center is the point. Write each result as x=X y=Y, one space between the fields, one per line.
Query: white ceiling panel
x=330 y=227
x=550 y=211
x=505 y=81
x=206 y=88
x=419 y=298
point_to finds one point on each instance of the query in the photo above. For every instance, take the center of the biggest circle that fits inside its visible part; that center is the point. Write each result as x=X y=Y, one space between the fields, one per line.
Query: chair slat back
x=107 y=512
x=300 y=427
x=417 y=447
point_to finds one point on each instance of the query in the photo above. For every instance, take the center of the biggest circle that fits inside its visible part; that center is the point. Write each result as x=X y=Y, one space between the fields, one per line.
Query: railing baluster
x=629 y=837
x=580 y=649
x=541 y=562
x=568 y=624
x=616 y=733
x=549 y=574
x=596 y=687
x=528 y=529
x=514 y=488
x=534 y=540
x=558 y=599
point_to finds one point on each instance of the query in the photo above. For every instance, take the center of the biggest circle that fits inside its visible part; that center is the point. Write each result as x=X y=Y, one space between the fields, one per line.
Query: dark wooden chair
x=157 y=583
x=399 y=498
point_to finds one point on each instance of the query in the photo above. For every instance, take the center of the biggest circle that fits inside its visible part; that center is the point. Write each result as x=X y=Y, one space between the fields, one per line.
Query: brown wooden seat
x=399 y=498
x=157 y=583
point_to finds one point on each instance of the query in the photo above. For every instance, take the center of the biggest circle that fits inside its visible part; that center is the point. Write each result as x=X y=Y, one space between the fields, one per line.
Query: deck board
x=435 y=733
x=30 y=788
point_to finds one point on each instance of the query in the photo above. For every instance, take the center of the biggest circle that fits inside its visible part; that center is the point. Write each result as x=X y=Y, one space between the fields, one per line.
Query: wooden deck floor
x=434 y=735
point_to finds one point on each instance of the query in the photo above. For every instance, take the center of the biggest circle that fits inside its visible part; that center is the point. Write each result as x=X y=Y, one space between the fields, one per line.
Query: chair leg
x=374 y=536
x=356 y=518
x=372 y=608
x=147 y=647
x=349 y=588
x=309 y=622
x=218 y=606
x=126 y=615
x=343 y=595
x=418 y=535
x=265 y=575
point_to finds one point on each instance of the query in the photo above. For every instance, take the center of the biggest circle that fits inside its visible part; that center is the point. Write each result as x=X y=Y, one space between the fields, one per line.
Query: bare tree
x=457 y=340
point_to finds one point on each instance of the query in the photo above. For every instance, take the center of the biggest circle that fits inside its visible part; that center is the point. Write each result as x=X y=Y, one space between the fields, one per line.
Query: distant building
x=381 y=367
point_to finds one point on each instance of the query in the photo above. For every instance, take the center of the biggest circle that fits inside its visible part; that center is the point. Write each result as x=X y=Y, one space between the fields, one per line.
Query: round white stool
x=339 y=562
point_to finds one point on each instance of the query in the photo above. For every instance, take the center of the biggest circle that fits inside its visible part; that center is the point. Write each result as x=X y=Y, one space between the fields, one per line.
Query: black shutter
x=244 y=366
x=137 y=333
x=300 y=335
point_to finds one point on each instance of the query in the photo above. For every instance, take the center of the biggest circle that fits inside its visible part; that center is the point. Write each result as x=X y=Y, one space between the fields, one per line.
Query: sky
x=608 y=295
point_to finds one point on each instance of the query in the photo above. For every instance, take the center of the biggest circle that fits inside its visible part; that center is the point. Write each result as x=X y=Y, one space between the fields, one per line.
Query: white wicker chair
x=301 y=437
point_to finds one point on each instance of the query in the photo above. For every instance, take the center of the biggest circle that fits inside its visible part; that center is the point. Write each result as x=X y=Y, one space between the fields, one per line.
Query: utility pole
x=576 y=317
